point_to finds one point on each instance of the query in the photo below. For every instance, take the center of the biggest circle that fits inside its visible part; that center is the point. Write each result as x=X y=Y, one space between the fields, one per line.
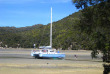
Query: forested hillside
x=95 y=24
x=80 y=30
x=64 y=34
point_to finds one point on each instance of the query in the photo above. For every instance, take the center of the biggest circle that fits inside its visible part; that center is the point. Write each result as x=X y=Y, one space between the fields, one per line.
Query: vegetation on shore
x=64 y=34
x=86 y=29
x=95 y=23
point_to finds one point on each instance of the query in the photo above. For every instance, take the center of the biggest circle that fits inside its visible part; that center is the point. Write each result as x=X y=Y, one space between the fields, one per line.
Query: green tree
x=95 y=22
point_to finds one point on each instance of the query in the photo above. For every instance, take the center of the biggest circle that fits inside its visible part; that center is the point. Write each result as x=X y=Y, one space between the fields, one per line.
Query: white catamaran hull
x=48 y=54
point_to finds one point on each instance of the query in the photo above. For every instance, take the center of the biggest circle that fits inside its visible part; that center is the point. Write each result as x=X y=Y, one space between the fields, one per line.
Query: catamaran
x=47 y=51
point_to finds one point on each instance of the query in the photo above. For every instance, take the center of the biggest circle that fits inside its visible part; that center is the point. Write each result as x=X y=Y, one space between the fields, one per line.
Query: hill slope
x=63 y=34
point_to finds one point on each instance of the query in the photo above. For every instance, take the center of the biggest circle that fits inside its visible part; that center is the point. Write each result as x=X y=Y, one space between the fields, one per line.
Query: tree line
x=95 y=23
x=65 y=36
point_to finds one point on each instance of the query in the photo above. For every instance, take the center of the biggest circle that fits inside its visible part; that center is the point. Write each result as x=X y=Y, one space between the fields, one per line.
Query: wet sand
x=19 y=61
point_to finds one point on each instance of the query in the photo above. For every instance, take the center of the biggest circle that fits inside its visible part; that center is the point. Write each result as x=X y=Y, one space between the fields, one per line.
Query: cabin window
x=44 y=50
x=52 y=51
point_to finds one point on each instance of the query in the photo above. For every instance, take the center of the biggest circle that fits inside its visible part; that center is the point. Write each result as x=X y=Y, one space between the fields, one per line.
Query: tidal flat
x=19 y=61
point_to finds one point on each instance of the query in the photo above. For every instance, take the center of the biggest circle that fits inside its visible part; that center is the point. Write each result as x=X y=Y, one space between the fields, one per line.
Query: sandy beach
x=19 y=61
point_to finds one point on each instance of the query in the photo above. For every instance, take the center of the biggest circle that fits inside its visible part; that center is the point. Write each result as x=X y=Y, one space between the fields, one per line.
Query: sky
x=22 y=13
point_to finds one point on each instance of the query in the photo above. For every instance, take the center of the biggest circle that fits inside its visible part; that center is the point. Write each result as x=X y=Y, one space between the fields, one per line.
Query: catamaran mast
x=51 y=30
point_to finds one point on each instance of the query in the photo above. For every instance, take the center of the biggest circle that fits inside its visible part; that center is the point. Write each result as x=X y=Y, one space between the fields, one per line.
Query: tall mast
x=51 y=30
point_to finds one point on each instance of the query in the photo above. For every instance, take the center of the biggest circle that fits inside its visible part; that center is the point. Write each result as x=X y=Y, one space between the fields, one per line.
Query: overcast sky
x=21 y=13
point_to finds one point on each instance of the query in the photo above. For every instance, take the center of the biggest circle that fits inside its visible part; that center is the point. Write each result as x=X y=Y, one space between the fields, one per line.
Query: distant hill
x=63 y=33
x=14 y=29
